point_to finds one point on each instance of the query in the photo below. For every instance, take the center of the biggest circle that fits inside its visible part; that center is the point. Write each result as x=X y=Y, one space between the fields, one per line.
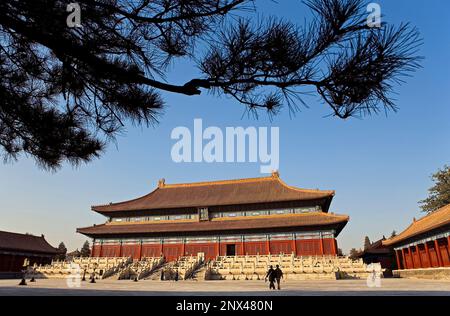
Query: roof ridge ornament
x=161 y=183
x=275 y=173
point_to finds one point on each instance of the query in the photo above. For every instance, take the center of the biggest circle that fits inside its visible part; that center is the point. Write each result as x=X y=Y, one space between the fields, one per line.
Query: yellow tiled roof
x=217 y=193
x=436 y=219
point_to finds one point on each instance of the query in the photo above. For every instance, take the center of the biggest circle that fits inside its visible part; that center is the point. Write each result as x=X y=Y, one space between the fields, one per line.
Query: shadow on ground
x=16 y=291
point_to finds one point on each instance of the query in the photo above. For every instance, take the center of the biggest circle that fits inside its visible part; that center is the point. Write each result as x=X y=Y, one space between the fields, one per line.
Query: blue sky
x=380 y=166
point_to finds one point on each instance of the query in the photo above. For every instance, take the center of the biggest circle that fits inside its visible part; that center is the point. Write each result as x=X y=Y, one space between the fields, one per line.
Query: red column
x=321 y=245
x=294 y=246
x=448 y=246
x=218 y=247
x=161 y=248
x=420 y=258
x=183 y=248
x=398 y=260
x=92 y=249
x=438 y=253
x=101 y=248
x=404 y=259
x=120 y=250
x=140 y=250
x=333 y=246
x=427 y=250
x=412 y=258
x=268 y=245
x=243 y=246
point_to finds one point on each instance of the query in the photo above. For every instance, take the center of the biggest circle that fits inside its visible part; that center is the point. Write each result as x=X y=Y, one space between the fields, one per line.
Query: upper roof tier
x=434 y=220
x=218 y=193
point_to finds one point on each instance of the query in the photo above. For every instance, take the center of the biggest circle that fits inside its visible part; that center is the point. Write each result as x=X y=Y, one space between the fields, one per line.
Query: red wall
x=172 y=251
x=255 y=247
x=303 y=247
x=95 y=251
x=110 y=251
x=130 y=250
x=311 y=247
x=193 y=249
x=150 y=250
x=281 y=246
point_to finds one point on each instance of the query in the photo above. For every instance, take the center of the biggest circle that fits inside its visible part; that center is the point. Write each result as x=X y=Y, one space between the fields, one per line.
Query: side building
x=15 y=248
x=231 y=217
x=424 y=244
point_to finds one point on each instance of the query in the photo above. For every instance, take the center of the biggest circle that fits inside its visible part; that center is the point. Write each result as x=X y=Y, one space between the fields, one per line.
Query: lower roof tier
x=307 y=220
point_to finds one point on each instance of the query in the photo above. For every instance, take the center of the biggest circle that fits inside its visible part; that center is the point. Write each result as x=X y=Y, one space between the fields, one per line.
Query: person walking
x=278 y=276
x=271 y=276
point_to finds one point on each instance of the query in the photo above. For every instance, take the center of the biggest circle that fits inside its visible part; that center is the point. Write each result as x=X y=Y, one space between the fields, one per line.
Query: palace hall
x=219 y=218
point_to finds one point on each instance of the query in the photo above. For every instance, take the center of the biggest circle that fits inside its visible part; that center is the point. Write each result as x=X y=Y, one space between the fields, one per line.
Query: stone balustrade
x=223 y=267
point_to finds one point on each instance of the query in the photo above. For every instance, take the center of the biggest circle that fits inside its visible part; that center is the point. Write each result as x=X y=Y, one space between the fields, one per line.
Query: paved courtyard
x=225 y=288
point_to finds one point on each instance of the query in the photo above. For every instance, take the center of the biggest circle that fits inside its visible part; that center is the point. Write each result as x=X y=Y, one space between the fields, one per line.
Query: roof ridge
x=21 y=234
x=401 y=235
x=216 y=182
x=426 y=216
x=302 y=189
x=126 y=201
x=274 y=176
x=441 y=209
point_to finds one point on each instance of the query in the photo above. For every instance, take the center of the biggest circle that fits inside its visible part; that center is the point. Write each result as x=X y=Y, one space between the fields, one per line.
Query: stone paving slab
x=226 y=288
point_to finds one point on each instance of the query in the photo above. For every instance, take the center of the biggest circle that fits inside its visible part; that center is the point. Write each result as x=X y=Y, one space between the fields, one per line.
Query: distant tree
x=62 y=251
x=85 y=250
x=439 y=194
x=340 y=252
x=367 y=243
x=65 y=91
x=353 y=254
x=394 y=233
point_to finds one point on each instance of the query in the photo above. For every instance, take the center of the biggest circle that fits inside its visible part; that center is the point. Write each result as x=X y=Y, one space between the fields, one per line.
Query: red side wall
x=418 y=257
